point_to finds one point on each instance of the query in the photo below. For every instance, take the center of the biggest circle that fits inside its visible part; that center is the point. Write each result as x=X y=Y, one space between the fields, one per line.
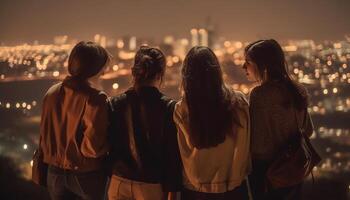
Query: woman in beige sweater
x=213 y=131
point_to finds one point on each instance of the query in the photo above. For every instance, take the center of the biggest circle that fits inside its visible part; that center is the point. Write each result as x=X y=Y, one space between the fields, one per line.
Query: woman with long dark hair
x=213 y=131
x=144 y=153
x=274 y=106
x=73 y=129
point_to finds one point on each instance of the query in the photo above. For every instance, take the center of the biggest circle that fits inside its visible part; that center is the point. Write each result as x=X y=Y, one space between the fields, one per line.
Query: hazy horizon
x=26 y=21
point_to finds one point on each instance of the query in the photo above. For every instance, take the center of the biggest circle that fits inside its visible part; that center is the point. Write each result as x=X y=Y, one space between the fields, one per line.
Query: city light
x=296 y=71
x=115 y=67
x=115 y=86
x=126 y=55
x=120 y=43
x=169 y=63
x=337 y=45
x=227 y=44
x=175 y=59
x=290 y=48
x=194 y=31
x=238 y=45
x=25 y=146
x=56 y=73
x=325 y=91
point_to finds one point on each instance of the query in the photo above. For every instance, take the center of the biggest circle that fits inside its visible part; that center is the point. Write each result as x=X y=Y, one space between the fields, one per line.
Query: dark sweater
x=273 y=120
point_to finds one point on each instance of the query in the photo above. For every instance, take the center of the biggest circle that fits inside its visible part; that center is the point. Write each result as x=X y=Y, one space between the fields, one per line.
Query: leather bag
x=39 y=168
x=295 y=162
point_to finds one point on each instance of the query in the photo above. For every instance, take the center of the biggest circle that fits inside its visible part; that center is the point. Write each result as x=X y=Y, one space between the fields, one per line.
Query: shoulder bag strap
x=302 y=131
x=301 y=127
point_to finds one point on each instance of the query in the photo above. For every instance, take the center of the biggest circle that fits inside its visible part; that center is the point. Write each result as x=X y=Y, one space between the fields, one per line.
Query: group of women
x=142 y=145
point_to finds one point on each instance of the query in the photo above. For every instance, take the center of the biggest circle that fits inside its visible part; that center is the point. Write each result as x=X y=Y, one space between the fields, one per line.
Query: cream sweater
x=217 y=169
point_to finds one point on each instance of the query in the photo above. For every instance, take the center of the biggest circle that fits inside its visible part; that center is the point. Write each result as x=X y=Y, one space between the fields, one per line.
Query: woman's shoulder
x=98 y=98
x=241 y=97
x=180 y=106
x=238 y=98
x=117 y=101
x=94 y=96
x=270 y=90
x=168 y=101
x=260 y=90
x=240 y=106
x=51 y=94
x=181 y=109
x=53 y=89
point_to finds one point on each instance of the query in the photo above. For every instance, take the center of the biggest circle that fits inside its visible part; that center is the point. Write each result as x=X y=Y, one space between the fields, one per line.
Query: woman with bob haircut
x=144 y=153
x=213 y=131
x=274 y=106
x=73 y=129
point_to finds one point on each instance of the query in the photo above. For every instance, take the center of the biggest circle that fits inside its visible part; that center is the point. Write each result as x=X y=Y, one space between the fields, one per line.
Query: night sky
x=28 y=20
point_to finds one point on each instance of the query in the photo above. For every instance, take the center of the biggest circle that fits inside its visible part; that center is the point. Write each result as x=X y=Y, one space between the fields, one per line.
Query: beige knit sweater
x=217 y=169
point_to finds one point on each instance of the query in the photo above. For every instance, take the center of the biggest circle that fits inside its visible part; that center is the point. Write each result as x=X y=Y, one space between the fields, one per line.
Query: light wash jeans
x=125 y=189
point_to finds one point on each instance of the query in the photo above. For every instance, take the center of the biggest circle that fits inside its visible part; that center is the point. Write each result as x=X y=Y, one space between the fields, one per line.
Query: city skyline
x=26 y=21
x=27 y=71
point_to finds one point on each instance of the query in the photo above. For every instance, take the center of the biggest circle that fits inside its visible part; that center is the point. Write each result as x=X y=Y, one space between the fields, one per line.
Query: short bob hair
x=86 y=60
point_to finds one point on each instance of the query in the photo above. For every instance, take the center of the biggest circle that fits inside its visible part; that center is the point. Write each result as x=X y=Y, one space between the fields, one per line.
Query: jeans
x=125 y=189
x=66 y=184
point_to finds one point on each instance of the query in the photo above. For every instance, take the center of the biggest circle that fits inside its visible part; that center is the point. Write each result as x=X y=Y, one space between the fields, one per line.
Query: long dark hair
x=210 y=103
x=149 y=63
x=272 y=66
x=86 y=60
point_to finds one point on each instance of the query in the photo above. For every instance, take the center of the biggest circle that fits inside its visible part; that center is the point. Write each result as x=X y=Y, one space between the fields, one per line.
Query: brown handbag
x=39 y=168
x=295 y=162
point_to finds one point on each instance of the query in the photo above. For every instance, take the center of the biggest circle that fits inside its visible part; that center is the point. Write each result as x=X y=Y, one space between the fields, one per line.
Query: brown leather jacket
x=74 y=126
